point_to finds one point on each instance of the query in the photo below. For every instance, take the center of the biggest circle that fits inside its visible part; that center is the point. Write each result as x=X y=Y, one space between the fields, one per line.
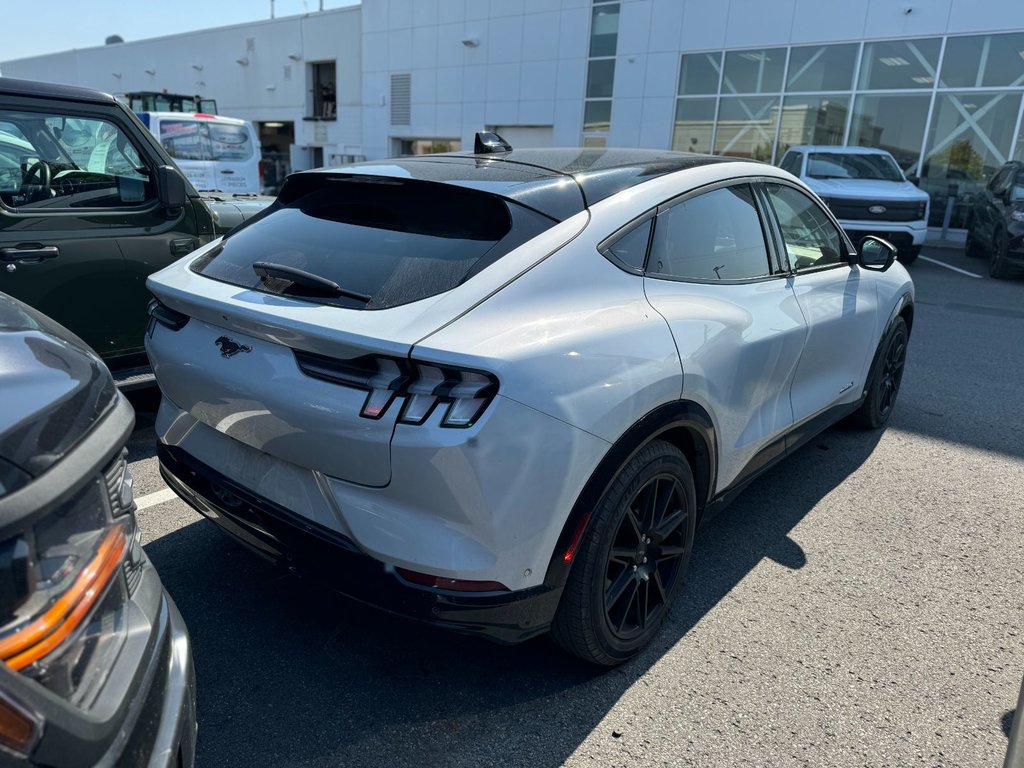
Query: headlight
x=67 y=581
x=922 y=209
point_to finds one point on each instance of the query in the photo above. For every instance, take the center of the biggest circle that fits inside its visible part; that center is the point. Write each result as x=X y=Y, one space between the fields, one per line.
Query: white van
x=214 y=152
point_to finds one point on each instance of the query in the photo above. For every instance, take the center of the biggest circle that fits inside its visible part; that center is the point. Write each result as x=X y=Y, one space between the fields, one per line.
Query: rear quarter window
x=393 y=241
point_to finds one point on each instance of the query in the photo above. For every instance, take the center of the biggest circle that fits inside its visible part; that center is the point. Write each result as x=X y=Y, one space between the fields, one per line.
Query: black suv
x=995 y=221
x=90 y=205
x=96 y=661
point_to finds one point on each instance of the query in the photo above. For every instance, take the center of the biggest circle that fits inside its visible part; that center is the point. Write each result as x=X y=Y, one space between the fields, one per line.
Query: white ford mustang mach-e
x=497 y=391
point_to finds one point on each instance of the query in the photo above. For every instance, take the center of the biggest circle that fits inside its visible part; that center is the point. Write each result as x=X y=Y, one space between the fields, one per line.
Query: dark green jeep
x=90 y=205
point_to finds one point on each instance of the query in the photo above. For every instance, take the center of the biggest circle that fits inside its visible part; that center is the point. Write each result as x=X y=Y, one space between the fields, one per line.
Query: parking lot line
x=950 y=266
x=152 y=499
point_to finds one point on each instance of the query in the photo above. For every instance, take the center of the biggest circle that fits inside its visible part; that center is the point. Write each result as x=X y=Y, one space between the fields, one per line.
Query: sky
x=49 y=26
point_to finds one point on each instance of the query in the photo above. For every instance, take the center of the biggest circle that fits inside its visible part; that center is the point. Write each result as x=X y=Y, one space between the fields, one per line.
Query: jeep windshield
x=843 y=165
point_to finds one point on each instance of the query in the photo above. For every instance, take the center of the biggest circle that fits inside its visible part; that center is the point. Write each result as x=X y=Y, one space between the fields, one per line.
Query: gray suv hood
x=55 y=389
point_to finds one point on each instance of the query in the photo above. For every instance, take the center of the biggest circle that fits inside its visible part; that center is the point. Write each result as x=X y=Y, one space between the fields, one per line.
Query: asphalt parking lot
x=861 y=605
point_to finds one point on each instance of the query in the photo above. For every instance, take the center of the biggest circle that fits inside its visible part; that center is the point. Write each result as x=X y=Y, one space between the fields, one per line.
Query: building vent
x=401 y=93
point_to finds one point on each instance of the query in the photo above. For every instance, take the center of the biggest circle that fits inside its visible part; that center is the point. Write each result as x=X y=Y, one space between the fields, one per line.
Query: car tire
x=633 y=559
x=909 y=255
x=998 y=263
x=885 y=379
x=972 y=248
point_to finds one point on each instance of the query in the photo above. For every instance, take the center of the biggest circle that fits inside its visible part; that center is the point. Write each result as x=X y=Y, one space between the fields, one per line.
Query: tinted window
x=185 y=139
x=713 y=236
x=50 y=161
x=812 y=240
x=230 y=142
x=841 y=165
x=392 y=240
x=791 y=163
x=630 y=249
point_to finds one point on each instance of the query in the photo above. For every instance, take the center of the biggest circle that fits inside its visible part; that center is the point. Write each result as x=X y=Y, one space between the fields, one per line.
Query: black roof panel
x=556 y=182
x=14 y=87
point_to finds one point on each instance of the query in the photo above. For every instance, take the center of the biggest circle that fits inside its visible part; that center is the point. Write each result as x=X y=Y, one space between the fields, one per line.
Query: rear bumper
x=282 y=536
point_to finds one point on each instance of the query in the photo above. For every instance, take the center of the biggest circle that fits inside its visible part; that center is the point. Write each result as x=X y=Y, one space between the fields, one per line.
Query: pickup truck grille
x=858 y=210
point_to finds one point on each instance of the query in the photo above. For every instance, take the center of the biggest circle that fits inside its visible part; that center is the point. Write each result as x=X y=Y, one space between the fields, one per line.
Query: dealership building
x=939 y=83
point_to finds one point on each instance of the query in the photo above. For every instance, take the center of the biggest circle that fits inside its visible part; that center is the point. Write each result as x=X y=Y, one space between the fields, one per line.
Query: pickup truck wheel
x=633 y=560
x=909 y=254
x=886 y=376
x=998 y=263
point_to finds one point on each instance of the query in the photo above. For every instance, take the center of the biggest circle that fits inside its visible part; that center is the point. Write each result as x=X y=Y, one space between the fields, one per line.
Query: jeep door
x=78 y=190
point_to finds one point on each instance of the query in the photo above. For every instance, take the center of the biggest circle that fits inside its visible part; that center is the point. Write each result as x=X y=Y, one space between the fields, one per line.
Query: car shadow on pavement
x=291 y=674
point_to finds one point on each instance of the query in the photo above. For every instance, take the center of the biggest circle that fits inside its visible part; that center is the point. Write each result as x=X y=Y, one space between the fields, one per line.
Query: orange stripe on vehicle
x=41 y=636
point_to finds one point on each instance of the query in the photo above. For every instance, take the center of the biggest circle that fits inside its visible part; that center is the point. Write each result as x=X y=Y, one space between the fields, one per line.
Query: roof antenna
x=487 y=142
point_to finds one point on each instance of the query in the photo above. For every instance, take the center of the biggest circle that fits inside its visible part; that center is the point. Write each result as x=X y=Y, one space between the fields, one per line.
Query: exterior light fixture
x=243 y=61
x=471 y=42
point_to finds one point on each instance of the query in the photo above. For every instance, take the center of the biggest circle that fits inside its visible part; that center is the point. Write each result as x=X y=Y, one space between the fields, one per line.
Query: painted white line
x=950 y=266
x=152 y=499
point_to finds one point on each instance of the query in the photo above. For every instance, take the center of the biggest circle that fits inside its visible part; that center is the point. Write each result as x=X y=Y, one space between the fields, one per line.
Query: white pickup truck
x=867 y=192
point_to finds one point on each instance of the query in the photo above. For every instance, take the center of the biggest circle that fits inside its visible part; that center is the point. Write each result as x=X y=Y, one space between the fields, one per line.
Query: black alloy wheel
x=885 y=380
x=999 y=263
x=633 y=559
x=645 y=557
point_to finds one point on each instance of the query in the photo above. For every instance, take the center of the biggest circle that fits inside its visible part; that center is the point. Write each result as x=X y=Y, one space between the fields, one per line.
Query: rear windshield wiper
x=320 y=285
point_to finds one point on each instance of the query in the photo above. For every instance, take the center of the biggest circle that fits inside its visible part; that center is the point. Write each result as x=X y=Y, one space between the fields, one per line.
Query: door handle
x=226 y=170
x=29 y=254
x=183 y=246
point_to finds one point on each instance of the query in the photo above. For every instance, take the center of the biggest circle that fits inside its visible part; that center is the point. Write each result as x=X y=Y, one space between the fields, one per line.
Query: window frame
x=84 y=112
x=775 y=266
x=851 y=251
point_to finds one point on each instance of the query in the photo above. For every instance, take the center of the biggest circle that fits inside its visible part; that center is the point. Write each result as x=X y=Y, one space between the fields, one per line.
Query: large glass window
x=604 y=35
x=812 y=240
x=695 y=125
x=970 y=138
x=604 y=29
x=899 y=64
x=746 y=127
x=600 y=75
x=821 y=68
x=812 y=120
x=714 y=236
x=597 y=115
x=754 y=71
x=983 y=61
x=698 y=73
x=893 y=123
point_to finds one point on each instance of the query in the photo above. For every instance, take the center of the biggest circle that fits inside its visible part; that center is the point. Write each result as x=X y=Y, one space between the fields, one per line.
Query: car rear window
x=205 y=140
x=383 y=241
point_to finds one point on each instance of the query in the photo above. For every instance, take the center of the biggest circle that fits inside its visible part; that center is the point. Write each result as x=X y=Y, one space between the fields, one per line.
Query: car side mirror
x=876 y=254
x=171 y=189
x=914 y=179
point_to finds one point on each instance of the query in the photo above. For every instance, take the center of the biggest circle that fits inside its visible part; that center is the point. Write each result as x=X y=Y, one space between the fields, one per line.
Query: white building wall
x=255 y=71
x=528 y=66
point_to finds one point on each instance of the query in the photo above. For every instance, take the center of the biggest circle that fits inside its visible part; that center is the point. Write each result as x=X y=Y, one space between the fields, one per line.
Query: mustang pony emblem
x=229 y=348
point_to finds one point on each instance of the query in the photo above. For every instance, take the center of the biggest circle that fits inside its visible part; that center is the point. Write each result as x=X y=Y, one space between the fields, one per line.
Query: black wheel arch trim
x=669 y=417
x=904 y=308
